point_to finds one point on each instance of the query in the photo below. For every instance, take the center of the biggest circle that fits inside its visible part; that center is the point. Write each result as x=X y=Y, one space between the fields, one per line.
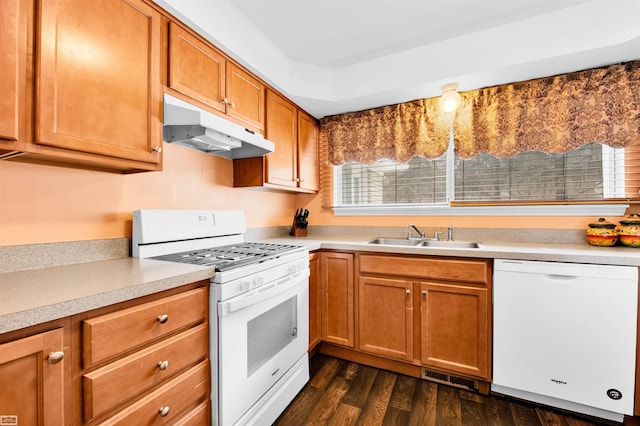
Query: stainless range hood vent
x=193 y=127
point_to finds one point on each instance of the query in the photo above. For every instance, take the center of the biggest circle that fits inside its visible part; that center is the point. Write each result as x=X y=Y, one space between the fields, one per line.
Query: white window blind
x=591 y=172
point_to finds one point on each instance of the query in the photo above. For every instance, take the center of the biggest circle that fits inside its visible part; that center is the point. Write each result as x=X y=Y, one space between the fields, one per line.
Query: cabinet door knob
x=55 y=357
x=157 y=148
x=162 y=318
x=408 y=292
x=164 y=411
x=163 y=365
x=424 y=292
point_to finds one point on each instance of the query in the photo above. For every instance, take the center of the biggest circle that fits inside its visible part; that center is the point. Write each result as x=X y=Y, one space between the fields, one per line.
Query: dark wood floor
x=345 y=393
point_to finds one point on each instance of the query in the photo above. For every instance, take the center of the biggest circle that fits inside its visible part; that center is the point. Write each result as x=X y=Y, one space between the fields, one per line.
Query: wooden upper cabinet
x=99 y=78
x=308 y=152
x=16 y=62
x=245 y=97
x=32 y=373
x=281 y=126
x=196 y=69
x=293 y=166
x=203 y=73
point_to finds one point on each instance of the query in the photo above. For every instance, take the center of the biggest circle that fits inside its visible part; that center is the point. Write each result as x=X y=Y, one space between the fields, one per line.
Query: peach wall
x=40 y=204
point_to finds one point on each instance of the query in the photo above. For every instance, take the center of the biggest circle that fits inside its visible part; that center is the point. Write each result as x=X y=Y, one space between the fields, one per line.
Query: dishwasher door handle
x=560 y=278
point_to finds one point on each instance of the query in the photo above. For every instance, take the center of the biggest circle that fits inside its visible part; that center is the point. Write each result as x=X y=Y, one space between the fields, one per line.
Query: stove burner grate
x=230 y=256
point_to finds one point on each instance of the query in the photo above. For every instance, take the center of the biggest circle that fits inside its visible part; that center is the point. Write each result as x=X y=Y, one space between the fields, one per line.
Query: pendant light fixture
x=450 y=99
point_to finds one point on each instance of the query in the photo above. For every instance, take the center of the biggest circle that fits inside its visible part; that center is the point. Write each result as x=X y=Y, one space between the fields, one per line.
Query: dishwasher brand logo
x=559 y=382
x=614 y=394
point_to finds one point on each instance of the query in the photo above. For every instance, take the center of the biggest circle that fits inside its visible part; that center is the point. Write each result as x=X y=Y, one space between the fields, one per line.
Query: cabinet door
x=338 y=293
x=32 y=379
x=385 y=317
x=454 y=328
x=281 y=129
x=245 y=97
x=315 y=301
x=16 y=84
x=99 y=78
x=308 y=152
x=196 y=69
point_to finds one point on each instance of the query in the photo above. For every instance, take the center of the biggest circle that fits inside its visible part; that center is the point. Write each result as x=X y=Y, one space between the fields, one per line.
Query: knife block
x=297 y=232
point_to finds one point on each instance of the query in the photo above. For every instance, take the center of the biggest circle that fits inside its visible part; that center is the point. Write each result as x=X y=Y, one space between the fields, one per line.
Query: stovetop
x=231 y=256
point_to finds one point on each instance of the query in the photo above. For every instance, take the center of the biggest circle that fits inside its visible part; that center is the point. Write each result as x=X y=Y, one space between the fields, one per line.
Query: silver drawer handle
x=424 y=292
x=164 y=411
x=55 y=357
x=163 y=365
x=162 y=318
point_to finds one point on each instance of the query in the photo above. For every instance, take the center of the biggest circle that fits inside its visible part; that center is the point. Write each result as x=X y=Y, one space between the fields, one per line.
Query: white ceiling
x=334 y=56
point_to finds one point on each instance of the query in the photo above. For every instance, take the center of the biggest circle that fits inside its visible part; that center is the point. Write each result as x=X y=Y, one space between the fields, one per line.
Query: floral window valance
x=396 y=132
x=554 y=114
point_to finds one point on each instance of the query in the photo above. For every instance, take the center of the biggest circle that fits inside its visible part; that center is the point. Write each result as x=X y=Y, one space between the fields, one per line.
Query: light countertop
x=36 y=296
x=553 y=252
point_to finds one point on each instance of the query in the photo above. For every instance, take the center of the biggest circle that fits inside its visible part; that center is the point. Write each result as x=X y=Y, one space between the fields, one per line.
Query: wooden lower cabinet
x=120 y=380
x=172 y=398
x=155 y=374
x=338 y=315
x=159 y=375
x=425 y=316
x=385 y=317
x=32 y=388
x=315 y=301
x=454 y=332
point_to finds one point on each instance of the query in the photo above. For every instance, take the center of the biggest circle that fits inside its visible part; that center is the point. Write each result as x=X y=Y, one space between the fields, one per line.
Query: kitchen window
x=549 y=146
x=590 y=173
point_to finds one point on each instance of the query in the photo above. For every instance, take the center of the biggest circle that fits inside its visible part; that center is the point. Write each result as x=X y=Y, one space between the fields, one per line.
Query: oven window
x=270 y=332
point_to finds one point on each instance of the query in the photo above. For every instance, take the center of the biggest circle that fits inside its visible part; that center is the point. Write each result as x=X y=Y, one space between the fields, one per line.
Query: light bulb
x=450 y=99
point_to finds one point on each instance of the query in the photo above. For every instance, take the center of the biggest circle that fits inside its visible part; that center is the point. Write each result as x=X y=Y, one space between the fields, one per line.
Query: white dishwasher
x=564 y=335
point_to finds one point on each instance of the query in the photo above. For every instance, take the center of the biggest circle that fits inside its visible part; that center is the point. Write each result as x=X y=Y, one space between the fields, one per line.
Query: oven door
x=261 y=335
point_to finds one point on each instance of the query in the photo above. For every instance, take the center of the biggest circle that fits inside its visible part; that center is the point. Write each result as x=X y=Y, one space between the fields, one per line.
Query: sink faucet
x=413 y=227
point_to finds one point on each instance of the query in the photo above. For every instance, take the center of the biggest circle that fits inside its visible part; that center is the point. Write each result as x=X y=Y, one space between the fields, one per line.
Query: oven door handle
x=262 y=293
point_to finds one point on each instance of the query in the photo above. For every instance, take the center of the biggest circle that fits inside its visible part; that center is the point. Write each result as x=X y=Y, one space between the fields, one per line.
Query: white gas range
x=258 y=302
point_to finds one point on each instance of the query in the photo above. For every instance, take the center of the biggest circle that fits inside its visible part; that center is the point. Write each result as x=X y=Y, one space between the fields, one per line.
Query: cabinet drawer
x=177 y=394
x=111 y=334
x=124 y=378
x=197 y=417
x=468 y=270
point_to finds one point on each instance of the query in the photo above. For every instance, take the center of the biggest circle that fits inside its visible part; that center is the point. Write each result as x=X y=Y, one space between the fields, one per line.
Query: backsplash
x=514 y=235
x=36 y=256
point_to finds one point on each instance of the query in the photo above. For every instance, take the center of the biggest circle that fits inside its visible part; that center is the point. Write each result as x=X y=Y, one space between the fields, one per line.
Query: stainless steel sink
x=423 y=243
x=395 y=242
x=449 y=244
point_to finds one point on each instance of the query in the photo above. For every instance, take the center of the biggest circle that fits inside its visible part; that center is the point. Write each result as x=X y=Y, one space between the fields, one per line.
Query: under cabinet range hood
x=190 y=126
